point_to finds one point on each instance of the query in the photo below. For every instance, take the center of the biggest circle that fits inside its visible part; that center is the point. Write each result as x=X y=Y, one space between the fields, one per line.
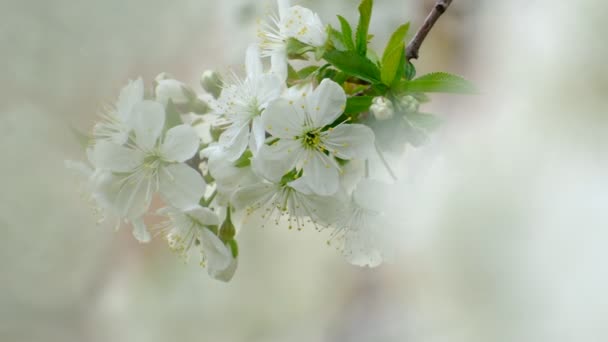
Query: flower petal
x=349 y=141
x=181 y=186
x=180 y=144
x=321 y=174
x=116 y=158
x=272 y=162
x=257 y=136
x=284 y=119
x=253 y=195
x=217 y=253
x=130 y=95
x=234 y=140
x=204 y=216
x=278 y=64
x=326 y=103
x=148 y=120
x=253 y=64
x=130 y=196
x=304 y=25
x=140 y=231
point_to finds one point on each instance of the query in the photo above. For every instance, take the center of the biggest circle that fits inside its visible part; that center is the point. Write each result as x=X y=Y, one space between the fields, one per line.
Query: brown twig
x=411 y=52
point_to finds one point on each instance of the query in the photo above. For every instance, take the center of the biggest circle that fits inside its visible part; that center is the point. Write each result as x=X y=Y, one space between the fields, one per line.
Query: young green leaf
x=307 y=71
x=358 y=104
x=337 y=39
x=438 y=82
x=425 y=121
x=347 y=33
x=396 y=41
x=353 y=64
x=365 y=15
x=392 y=63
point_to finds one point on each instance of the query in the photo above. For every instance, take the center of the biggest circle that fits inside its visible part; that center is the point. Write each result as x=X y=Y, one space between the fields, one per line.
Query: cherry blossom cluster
x=273 y=146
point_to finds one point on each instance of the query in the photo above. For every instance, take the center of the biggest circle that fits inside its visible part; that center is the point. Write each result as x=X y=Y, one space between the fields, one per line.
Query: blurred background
x=503 y=215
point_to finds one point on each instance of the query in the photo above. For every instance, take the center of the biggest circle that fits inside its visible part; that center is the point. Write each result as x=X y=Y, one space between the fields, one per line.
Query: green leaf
x=439 y=82
x=307 y=71
x=297 y=50
x=393 y=59
x=358 y=104
x=244 y=160
x=173 y=116
x=337 y=39
x=347 y=33
x=353 y=64
x=365 y=15
x=391 y=63
x=396 y=41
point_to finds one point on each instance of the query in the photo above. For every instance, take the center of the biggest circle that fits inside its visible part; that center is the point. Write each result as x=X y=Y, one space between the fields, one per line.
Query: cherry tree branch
x=412 y=49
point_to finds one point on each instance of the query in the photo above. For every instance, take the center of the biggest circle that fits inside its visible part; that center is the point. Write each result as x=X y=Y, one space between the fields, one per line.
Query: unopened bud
x=178 y=92
x=382 y=108
x=409 y=104
x=211 y=81
x=227 y=230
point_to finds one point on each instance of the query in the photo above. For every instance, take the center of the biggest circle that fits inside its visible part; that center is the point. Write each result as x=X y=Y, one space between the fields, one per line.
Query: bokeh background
x=504 y=213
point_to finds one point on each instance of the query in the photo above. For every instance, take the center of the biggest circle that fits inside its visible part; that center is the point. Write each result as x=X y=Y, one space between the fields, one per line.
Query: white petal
x=180 y=144
x=234 y=140
x=267 y=89
x=204 y=216
x=131 y=196
x=321 y=174
x=349 y=141
x=217 y=253
x=148 y=121
x=171 y=89
x=227 y=273
x=116 y=158
x=283 y=7
x=273 y=161
x=278 y=64
x=257 y=136
x=326 y=103
x=130 y=95
x=253 y=64
x=252 y=195
x=181 y=186
x=304 y=25
x=284 y=118
x=140 y=231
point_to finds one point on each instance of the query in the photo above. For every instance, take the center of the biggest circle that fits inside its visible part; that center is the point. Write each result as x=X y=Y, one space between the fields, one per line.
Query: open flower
x=242 y=104
x=114 y=125
x=292 y=22
x=362 y=231
x=277 y=201
x=190 y=229
x=308 y=139
x=149 y=164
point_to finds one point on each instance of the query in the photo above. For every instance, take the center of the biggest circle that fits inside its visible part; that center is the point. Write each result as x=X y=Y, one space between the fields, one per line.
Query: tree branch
x=411 y=52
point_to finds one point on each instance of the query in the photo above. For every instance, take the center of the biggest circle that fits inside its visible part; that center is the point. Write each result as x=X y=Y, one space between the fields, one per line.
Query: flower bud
x=227 y=230
x=409 y=104
x=212 y=83
x=178 y=92
x=382 y=108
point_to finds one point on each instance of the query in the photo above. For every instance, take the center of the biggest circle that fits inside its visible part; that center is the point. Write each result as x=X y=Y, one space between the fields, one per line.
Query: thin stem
x=385 y=163
x=412 y=50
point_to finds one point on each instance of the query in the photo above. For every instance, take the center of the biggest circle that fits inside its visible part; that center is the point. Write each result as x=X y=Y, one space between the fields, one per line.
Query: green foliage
x=347 y=34
x=173 y=116
x=353 y=64
x=365 y=15
x=425 y=121
x=393 y=59
x=358 y=104
x=410 y=71
x=438 y=82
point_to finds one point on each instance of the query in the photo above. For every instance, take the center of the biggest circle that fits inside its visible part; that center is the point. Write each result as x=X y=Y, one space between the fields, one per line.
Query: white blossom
x=114 y=125
x=242 y=104
x=363 y=231
x=191 y=229
x=292 y=22
x=149 y=163
x=307 y=139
